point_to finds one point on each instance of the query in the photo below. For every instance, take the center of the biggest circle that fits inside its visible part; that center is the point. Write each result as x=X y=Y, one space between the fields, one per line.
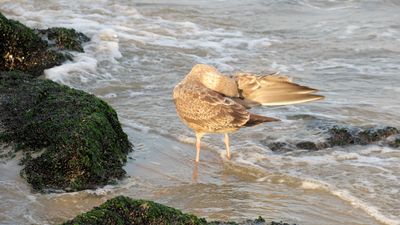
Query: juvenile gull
x=210 y=102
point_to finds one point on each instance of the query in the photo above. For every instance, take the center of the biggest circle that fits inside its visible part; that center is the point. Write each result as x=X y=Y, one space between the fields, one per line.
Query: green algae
x=33 y=51
x=22 y=49
x=79 y=137
x=395 y=143
x=374 y=135
x=122 y=210
x=64 y=38
x=342 y=136
x=346 y=136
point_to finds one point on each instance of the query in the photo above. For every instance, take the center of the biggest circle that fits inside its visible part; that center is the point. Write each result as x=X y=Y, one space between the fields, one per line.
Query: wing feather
x=273 y=90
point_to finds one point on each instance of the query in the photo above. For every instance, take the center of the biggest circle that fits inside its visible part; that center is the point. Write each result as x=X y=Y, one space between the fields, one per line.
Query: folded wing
x=206 y=110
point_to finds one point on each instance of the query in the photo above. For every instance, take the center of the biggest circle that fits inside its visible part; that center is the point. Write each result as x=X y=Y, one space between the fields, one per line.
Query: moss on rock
x=346 y=136
x=123 y=210
x=23 y=49
x=342 y=136
x=373 y=135
x=395 y=143
x=64 y=38
x=72 y=139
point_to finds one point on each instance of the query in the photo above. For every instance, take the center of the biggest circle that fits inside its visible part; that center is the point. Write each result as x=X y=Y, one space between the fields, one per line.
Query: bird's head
x=210 y=77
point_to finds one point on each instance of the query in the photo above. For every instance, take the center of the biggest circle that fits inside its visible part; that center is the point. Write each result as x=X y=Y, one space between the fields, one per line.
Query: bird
x=208 y=101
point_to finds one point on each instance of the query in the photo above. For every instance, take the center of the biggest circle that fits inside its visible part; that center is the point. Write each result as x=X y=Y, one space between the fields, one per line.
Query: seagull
x=207 y=101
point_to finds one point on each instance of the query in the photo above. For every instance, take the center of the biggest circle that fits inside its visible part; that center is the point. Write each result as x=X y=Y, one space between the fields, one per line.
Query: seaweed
x=33 y=51
x=63 y=38
x=123 y=210
x=341 y=136
x=22 y=49
x=78 y=136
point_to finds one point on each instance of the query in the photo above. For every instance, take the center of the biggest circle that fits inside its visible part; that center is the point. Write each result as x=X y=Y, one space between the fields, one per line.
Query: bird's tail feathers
x=257 y=119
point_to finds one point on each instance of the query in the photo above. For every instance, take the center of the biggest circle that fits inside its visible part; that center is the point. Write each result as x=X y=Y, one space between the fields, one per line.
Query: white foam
x=354 y=201
x=136 y=126
x=346 y=156
x=255 y=160
x=351 y=28
x=83 y=66
x=110 y=95
x=107 y=47
x=279 y=67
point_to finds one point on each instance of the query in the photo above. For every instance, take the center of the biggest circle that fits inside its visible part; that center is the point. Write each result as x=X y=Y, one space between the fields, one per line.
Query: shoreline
x=288 y=171
x=42 y=168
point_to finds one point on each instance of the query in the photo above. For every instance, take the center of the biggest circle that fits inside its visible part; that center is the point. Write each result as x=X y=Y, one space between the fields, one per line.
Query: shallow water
x=141 y=49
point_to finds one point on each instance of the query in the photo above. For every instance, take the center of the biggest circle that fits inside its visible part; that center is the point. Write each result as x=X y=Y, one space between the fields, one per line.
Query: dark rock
x=63 y=38
x=395 y=143
x=373 y=135
x=347 y=136
x=278 y=146
x=22 y=49
x=123 y=210
x=301 y=117
x=72 y=140
x=340 y=137
x=308 y=145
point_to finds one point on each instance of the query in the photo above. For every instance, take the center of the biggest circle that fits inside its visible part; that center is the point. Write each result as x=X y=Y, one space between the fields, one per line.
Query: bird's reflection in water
x=195 y=173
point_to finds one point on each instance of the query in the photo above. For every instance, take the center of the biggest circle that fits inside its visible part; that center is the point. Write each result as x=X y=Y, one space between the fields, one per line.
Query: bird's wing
x=273 y=90
x=206 y=110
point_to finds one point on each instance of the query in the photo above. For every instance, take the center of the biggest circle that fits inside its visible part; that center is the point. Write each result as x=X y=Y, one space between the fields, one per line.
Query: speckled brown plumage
x=207 y=111
x=210 y=102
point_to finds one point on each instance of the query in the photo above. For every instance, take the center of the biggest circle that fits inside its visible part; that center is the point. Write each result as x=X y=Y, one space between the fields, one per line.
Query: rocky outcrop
x=342 y=136
x=123 y=210
x=72 y=140
x=60 y=38
x=33 y=51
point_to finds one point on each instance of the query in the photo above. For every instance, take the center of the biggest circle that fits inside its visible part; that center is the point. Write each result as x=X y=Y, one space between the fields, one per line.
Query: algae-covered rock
x=347 y=136
x=395 y=143
x=63 y=38
x=341 y=136
x=23 y=49
x=72 y=139
x=123 y=210
x=309 y=145
x=373 y=135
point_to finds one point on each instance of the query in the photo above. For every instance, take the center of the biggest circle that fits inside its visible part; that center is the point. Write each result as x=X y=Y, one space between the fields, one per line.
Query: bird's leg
x=198 y=138
x=228 y=152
